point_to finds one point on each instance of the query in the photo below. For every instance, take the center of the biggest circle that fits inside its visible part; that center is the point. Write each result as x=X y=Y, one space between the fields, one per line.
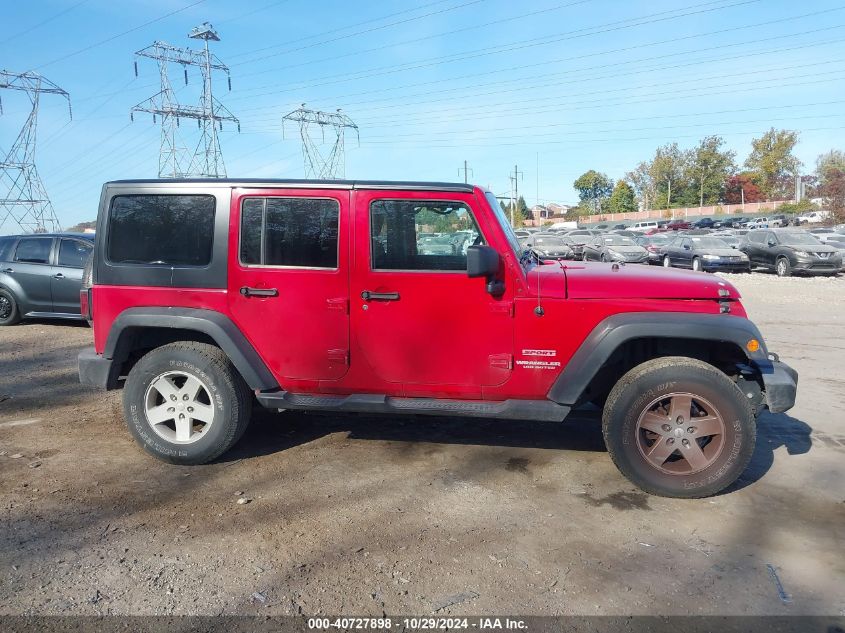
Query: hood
x=588 y=280
x=721 y=252
x=812 y=248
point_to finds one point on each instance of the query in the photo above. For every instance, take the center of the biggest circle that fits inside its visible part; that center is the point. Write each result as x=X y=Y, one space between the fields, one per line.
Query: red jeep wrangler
x=406 y=297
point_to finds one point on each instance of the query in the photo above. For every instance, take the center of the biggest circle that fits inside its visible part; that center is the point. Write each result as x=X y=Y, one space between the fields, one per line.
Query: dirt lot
x=364 y=514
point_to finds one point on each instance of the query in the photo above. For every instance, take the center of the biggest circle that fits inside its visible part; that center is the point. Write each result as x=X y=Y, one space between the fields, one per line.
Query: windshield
x=618 y=240
x=709 y=242
x=546 y=240
x=798 y=239
x=503 y=222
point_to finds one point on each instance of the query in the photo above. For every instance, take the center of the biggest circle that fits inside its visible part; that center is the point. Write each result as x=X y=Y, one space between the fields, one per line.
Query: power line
x=43 y=22
x=119 y=35
x=518 y=45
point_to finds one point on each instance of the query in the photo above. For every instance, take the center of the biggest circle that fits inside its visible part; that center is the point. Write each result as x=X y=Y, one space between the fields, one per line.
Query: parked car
x=757 y=223
x=706 y=223
x=704 y=253
x=601 y=227
x=614 y=248
x=41 y=275
x=678 y=225
x=825 y=235
x=306 y=295
x=550 y=246
x=813 y=217
x=580 y=237
x=791 y=251
x=779 y=221
x=626 y=233
x=645 y=225
x=619 y=227
x=653 y=244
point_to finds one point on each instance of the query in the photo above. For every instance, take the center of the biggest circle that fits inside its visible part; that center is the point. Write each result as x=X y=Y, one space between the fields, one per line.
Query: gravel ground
x=360 y=514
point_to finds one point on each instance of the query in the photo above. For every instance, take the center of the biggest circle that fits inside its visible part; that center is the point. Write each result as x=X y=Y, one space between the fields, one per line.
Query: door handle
x=8 y=270
x=379 y=296
x=259 y=292
x=58 y=276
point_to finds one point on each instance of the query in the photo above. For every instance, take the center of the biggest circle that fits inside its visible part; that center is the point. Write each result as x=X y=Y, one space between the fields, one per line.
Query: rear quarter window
x=161 y=229
x=6 y=245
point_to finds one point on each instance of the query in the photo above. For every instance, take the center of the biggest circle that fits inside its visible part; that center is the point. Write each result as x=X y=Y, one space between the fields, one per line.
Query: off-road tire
x=13 y=313
x=631 y=396
x=782 y=267
x=231 y=399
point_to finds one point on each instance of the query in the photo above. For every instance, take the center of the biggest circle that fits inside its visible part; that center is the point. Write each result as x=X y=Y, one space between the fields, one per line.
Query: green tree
x=773 y=164
x=520 y=214
x=671 y=175
x=643 y=183
x=593 y=188
x=622 y=200
x=830 y=170
x=710 y=166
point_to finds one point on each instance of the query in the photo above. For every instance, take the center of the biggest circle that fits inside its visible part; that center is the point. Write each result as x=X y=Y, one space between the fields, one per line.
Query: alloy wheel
x=5 y=307
x=680 y=433
x=178 y=407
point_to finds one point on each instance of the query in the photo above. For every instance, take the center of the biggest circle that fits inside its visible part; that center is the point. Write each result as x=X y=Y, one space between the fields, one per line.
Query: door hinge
x=339 y=356
x=502 y=361
x=340 y=303
x=502 y=307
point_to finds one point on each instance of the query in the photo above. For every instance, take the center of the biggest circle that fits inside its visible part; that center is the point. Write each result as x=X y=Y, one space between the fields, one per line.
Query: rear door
x=66 y=275
x=289 y=279
x=419 y=320
x=30 y=267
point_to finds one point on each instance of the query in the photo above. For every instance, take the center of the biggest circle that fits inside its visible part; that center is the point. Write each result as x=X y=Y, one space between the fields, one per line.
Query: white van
x=642 y=227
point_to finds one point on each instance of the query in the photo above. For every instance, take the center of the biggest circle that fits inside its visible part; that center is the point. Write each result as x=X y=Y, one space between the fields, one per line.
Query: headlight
x=743 y=257
x=711 y=257
x=615 y=255
x=802 y=255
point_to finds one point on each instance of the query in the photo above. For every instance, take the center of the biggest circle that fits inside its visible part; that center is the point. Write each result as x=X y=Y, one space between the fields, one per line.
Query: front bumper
x=95 y=370
x=730 y=266
x=781 y=385
x=817 y=266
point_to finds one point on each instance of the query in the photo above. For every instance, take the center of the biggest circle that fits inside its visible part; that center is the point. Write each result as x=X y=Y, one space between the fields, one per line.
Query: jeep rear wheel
x=678 y=427
x=9 y=311
x=185 y=403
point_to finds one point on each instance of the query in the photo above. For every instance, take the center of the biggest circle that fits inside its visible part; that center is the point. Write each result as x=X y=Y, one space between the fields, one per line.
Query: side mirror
x=482 y=261
x=686 y=247
x=771 y=243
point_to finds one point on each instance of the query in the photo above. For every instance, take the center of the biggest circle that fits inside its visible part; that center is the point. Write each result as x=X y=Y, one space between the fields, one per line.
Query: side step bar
x=542 y=410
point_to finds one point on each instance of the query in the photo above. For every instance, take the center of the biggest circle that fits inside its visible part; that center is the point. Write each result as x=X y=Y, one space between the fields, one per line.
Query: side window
x=174 y=230
x=301 y=232
x=421 y=235
x=73 y=253
x=6 y=245
x=34 y=250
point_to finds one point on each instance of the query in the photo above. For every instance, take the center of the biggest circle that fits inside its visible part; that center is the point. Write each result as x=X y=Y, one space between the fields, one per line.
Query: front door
x=419 y=320
x=288 y=279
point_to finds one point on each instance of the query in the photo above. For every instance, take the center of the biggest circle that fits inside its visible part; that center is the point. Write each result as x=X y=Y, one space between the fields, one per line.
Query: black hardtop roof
x=305 y=184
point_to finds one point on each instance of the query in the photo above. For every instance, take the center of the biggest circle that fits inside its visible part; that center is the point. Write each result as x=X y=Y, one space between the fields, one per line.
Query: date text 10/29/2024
x=417 y=624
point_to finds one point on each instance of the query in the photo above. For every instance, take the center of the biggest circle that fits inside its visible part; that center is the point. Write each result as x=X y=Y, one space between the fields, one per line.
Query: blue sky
x=569 y=85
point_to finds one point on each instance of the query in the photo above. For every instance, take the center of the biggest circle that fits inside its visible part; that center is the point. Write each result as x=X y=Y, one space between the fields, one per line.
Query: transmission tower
x=324 y=166
x=23 y=198
x=176 y=159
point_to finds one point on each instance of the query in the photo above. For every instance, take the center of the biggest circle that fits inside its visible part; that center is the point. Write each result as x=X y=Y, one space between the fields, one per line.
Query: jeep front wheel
x=185 y=403
x=679 y=427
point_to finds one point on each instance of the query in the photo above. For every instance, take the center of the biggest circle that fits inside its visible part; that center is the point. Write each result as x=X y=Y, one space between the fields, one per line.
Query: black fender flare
x=215 y=325
x=616 y=330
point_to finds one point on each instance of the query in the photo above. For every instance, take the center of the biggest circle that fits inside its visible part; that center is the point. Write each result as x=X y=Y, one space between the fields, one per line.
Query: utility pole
x=466 y=171
x=329 y=166
x=23 y=198
x=175 y=159
x=515 y=188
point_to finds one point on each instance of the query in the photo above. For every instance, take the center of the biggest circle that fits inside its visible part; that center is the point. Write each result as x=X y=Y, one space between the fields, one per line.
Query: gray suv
x=41 y=275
